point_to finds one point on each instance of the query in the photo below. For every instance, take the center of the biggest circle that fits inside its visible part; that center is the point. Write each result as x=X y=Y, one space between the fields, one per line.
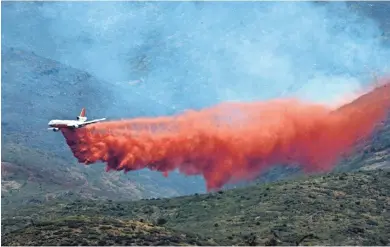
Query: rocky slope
x=370 y=154
x=25 y=180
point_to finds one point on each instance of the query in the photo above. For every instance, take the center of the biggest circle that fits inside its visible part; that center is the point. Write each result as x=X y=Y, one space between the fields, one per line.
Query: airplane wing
x=93 y=121
x=78 y=125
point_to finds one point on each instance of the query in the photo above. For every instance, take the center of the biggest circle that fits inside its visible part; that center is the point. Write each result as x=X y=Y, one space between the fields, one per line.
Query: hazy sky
x=192 y=55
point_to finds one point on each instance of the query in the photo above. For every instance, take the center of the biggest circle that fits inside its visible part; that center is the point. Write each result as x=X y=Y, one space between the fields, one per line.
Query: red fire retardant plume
x=233 y=141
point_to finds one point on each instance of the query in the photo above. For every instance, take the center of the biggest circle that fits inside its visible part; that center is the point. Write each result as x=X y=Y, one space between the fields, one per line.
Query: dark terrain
x=99 y=231
x=338 y=209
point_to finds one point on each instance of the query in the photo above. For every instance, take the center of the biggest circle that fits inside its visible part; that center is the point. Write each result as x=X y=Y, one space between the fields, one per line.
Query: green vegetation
x=338 y=209
x=98 y=231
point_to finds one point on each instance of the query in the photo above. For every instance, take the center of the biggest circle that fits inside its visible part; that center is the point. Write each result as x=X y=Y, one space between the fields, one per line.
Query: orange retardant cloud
x=233 y=141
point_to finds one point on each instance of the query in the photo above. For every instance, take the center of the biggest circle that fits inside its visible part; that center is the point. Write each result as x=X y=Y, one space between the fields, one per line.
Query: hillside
x=37 y=164
x=338 y=209
x=99 y=231
x=25 y=180
x=31 y=176
x=372 y=153
x=35 y=90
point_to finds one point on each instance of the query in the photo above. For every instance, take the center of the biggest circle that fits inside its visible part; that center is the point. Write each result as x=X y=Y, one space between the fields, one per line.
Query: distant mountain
x=36 y=89
x=37 y=163
x=335 y=209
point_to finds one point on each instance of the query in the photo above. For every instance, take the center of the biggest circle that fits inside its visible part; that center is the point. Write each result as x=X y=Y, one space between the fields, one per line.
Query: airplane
x=56 y=125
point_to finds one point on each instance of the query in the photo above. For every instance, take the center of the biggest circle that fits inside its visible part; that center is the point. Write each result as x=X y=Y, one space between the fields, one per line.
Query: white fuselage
x=64 y=123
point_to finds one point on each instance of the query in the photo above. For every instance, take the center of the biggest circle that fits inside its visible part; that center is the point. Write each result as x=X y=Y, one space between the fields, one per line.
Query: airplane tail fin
x=82 y=113
x=82 y=116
